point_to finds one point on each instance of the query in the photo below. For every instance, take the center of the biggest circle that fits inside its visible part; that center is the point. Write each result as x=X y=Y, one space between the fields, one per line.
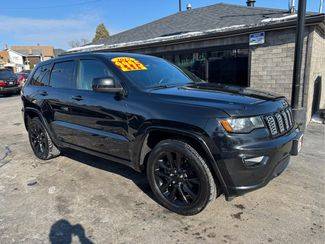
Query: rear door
x=99 y=119
x=62 y=84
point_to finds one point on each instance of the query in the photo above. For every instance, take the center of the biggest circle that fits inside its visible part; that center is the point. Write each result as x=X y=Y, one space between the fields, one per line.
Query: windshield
x=156 y=73
x=4 y=74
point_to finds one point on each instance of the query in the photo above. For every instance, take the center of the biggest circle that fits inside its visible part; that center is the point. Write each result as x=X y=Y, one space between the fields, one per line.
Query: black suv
x=195 y=140
x=8 y=82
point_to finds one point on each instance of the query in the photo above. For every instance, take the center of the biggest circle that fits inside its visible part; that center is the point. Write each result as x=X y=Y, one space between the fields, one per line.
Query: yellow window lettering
x=127 y=64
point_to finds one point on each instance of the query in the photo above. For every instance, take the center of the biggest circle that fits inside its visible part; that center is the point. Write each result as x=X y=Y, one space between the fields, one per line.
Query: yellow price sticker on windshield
x=127 y=64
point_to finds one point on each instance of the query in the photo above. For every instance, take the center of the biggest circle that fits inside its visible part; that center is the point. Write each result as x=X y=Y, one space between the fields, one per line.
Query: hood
x=236 y=101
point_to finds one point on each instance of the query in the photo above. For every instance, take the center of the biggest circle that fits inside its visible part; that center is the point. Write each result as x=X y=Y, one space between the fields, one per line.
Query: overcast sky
x=58 y=22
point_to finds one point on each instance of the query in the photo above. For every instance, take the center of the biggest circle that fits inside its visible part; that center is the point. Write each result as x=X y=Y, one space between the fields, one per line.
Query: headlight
x=242 y=125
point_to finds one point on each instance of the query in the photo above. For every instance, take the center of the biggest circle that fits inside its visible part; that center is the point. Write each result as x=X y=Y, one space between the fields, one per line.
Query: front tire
x=40 y=140
x=180 y=178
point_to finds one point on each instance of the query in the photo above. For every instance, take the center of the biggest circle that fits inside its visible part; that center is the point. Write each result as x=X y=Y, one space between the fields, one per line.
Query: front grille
x=279 y=123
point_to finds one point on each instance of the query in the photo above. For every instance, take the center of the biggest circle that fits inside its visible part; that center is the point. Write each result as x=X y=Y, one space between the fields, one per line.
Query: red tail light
x=2 y=83
x=21 y=79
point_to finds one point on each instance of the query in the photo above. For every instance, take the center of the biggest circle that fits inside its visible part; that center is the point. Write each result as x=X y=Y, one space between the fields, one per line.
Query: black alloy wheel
x=180 y=178
x=176 y=178
x=40 y=141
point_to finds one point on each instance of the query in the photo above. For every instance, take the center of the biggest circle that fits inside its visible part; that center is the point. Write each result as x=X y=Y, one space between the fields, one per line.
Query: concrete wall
x=317 y=70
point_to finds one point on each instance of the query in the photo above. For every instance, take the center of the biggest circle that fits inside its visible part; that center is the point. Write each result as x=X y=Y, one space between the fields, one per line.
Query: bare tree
x=78 y=43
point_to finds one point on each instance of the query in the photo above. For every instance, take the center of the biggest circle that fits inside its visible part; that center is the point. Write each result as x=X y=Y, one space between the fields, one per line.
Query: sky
x=59 y=22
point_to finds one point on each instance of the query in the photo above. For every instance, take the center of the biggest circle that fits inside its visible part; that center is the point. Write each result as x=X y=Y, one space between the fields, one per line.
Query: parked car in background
x=8 y=82
x=22 y=77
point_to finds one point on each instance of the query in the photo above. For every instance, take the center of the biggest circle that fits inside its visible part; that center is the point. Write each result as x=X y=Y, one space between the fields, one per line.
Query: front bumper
x=240 y=177
x=9 y=90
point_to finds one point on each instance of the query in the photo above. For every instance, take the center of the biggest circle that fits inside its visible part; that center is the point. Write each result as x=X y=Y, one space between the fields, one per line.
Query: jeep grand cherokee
x=195 y=140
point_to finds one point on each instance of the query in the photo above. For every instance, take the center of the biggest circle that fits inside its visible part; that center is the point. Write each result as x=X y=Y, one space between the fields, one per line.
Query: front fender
x=140 y=148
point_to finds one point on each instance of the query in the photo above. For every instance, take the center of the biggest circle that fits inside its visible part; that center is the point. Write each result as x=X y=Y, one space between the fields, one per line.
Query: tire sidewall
x=37 y=122
x=204 y=197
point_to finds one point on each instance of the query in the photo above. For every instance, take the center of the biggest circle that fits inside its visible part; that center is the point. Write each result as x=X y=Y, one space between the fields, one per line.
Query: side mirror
x=106 y=84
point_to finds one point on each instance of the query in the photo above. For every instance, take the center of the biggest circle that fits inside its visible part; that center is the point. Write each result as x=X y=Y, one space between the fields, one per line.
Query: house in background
x=35 y=54
x=13 y=60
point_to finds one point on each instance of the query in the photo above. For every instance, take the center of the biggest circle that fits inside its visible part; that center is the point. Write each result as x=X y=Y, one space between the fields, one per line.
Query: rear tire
x=40 y=140
x=180 y=178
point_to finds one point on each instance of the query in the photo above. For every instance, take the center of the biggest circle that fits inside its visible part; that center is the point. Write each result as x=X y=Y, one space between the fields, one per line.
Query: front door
x=99 y=119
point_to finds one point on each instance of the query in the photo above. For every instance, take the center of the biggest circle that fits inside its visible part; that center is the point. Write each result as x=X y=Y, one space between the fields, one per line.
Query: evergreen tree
x=101 y=33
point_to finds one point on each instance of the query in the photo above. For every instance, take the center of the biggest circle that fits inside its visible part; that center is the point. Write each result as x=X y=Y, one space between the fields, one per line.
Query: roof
x=215 y=18
x=5 y=53
x=4 y=56
x=107 y=55
x=46 y=51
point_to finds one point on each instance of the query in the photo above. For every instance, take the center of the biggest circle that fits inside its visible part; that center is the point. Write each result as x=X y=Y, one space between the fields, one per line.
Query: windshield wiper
x=161 y=86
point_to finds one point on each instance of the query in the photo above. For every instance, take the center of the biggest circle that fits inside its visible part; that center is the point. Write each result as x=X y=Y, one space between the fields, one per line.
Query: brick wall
x=272 y=63
x=317 y=70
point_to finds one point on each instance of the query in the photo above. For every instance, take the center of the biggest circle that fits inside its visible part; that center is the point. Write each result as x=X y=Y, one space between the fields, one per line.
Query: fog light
x=253 y=162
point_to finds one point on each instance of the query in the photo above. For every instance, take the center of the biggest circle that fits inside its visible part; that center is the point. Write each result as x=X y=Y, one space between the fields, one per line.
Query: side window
x=88 y=70
x=40 y=77
x=62 y=75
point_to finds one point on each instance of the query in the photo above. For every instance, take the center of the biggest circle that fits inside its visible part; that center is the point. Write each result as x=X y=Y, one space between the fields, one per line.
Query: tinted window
x=89 y=70
x=158 y=73
x=40 y=77
x=5 y=74
x=62 y=75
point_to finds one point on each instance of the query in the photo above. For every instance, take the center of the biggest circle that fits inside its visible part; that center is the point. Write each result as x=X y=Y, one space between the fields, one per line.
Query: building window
x=227 y=66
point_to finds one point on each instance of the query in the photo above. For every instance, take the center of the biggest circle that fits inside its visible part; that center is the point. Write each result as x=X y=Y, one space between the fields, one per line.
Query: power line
x=54 y=6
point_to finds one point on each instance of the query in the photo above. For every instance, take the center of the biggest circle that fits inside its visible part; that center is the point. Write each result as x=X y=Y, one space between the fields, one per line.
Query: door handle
x=43 y=93
x=77 y=98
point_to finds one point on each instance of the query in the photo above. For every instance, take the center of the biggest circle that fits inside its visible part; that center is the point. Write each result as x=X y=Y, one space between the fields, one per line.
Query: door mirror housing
x=106 y=84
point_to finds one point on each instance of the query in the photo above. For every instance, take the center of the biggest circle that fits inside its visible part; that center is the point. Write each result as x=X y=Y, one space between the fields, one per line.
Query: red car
x=22 y=77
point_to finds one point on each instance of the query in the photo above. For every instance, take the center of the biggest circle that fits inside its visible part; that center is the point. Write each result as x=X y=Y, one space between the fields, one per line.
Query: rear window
x=40 y=77
x=4 y=74
x=62 y=75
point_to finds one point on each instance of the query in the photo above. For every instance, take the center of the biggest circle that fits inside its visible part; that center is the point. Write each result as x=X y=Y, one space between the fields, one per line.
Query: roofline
x=310 y=20
x=194 y=9
x=9 y=49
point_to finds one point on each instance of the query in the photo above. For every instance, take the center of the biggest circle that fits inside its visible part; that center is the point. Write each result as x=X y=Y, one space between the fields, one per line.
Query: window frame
x=93 y=59
x=74 y=76
x=42 y=74
x=115 y=76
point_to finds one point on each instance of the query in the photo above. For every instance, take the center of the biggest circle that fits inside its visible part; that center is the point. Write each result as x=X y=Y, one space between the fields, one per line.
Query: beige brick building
x=236 y=45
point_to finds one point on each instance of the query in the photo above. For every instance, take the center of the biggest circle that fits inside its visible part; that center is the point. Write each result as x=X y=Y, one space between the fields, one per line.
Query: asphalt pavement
x=79 y=198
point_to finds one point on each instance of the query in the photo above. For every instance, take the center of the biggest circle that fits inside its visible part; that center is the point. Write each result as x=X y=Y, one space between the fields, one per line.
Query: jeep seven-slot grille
x=280 y=122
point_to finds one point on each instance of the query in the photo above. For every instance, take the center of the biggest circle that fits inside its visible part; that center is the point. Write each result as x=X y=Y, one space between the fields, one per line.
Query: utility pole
x=298 y=58
x=180 y=5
